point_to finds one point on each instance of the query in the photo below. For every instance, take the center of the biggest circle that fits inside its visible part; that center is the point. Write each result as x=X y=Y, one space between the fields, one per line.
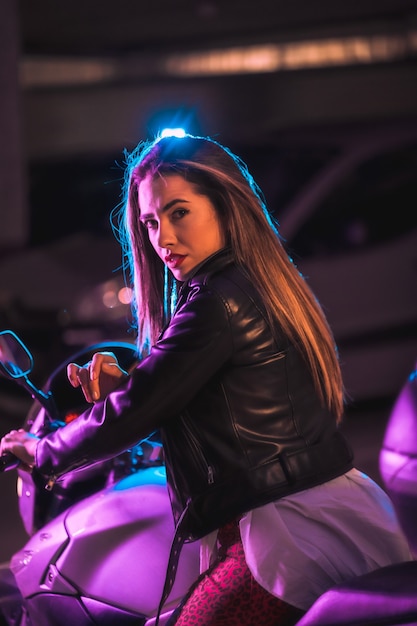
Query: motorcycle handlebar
x=8 y=461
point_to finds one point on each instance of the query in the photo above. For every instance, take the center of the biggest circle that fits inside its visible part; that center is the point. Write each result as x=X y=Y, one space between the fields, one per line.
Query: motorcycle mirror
x=15 y=359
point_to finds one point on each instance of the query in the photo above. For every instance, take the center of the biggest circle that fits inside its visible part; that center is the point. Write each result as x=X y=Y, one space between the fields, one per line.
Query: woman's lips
x=174 y=260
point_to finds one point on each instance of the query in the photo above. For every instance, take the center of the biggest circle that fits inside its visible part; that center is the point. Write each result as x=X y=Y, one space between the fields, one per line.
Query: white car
x=352 y=231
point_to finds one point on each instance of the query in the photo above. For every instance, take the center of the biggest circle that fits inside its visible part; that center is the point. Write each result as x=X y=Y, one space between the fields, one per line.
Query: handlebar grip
x=8 y=461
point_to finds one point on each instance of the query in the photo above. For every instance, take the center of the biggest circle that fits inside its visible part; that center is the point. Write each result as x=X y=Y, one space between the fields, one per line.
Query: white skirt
x=303 y=544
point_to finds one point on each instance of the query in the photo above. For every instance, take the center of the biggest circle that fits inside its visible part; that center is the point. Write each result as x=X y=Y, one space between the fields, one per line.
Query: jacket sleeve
x=197 y=342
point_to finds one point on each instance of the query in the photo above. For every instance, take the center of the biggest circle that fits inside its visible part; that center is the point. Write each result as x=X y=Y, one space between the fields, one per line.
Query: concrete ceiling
x=100 y=27
x=94 y=73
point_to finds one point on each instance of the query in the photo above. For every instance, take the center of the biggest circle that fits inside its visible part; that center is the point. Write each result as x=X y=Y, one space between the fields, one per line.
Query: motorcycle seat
x=384 y=597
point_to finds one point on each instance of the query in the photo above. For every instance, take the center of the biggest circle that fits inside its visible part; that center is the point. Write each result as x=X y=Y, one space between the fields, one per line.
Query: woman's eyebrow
x=172 y=202
x=165 y=208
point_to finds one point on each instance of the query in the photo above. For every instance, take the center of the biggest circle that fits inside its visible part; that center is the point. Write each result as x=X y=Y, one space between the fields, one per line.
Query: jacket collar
x=214 y=263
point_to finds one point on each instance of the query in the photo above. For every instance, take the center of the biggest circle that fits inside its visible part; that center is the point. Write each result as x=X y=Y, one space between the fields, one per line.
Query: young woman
x=241 y=376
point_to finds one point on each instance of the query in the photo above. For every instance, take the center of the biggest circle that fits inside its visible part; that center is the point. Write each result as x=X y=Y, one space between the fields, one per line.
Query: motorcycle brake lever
x=8 y=461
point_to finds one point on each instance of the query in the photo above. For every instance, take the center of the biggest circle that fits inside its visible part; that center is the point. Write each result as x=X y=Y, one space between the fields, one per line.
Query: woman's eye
x=179 y=213
x=150 y=224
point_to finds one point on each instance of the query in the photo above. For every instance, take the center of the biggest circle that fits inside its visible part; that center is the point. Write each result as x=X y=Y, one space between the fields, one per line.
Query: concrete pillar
x=14 y=222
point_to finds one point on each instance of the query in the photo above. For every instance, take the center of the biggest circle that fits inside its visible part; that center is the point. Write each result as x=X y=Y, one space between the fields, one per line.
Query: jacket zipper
x=53 y=478
x=202 y=462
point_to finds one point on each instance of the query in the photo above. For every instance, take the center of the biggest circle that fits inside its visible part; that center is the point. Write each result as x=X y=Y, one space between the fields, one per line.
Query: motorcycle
x=99 y=540
x=386 y=596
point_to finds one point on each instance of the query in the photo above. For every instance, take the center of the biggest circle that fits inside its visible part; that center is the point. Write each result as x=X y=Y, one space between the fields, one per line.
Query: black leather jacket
x=235 y=404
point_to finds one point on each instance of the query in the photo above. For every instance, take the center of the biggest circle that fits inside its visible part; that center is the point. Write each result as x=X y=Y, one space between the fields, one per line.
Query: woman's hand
x=98 y=377
x=23 y=445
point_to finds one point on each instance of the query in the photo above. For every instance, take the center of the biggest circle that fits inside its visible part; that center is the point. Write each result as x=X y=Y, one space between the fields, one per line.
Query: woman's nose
x=166 y=236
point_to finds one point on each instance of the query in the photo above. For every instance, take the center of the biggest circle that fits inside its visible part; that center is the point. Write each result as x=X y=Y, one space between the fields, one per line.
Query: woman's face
x=183 y=226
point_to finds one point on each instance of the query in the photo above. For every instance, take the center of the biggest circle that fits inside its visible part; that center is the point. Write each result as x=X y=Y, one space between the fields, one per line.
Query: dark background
x=83 y=81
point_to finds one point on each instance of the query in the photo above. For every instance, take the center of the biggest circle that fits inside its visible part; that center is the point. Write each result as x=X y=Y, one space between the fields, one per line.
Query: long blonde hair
x=255 y=242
